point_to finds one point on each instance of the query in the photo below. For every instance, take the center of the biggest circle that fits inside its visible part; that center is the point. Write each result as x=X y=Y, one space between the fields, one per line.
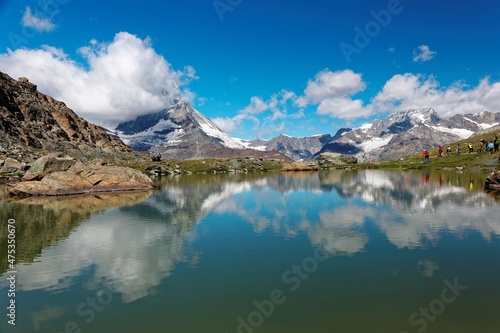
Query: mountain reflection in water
x=131 y=243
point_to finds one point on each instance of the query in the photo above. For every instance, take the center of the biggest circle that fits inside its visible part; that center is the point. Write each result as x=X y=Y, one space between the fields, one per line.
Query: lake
x=335 y=251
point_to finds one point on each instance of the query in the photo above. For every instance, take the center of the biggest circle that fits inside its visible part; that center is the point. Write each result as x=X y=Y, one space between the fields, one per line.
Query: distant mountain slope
x=32 y=120
x=394 y=137
x=184 y=133
x=296 y=148
x=409 y=132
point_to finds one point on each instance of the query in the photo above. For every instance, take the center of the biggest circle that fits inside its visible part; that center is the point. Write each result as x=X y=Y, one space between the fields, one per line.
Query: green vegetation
x=212 y=165
x=476 y=161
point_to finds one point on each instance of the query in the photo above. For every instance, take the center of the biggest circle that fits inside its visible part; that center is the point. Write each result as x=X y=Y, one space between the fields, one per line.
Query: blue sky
x=255 y=67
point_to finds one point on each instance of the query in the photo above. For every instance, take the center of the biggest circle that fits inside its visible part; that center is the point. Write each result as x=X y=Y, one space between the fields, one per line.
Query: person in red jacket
x=425 y=156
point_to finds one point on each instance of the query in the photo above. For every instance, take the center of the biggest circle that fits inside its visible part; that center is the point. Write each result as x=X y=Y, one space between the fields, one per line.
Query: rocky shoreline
x=492 y=183
x=54 y=176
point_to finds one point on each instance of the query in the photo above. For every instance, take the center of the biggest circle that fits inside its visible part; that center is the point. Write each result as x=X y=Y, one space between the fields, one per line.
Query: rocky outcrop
x=492 y=183
x=48 y=164
x=33 y=124
x=330 y=159
x=81 y=179
x=300 y=166
x=11 y=165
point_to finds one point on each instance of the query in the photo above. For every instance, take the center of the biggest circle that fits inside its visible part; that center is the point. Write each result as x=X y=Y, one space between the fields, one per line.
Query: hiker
x=425 y=156
x=458 y=148
x=471 y=148
x=448 y=151
x=496 y=143
x=484 y=144
x=491 y=147
x=440 y=151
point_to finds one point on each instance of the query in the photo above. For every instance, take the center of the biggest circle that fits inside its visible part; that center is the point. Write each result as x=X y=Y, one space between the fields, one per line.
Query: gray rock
x=492 y=183
x=84 y=179
x=48 y=164
x=327 y=159
x=11 y=166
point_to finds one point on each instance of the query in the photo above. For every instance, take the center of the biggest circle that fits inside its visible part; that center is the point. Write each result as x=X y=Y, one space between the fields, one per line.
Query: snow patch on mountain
x=366 y=127
x=163 y=125
x=251 y=144
x=481 y=125
x=215 y=132
x=461 y=132
x=375 y=143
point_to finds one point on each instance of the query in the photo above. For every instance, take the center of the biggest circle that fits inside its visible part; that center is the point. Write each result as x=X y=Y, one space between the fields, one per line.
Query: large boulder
x=48 y=164
x=300 y=166
x=327 y=159
x=84 y=179
x=492 y=183
x=10 y=165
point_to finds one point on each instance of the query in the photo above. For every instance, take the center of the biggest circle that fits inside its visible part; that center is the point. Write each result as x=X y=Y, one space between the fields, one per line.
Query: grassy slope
x=475 y=161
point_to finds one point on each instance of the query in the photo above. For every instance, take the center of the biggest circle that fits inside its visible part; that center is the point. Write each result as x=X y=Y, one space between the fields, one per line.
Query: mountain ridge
x=32 y=123
x=182 y=132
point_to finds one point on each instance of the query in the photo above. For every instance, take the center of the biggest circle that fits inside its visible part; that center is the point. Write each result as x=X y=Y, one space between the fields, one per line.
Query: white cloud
x=328 y=84
x=231 y=124
x=332 y=92
x=423 y=53
x=121 y=79
x=227 y=125
x=343 y=108
x=201 y=101
x=391 y=49
x=264 y=114
x=332 y=95
x=256 y=106
x=36 y=22
x=408 y=91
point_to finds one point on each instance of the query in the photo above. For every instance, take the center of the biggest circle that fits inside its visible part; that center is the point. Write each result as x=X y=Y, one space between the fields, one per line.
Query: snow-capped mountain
x=182 y=133
x=408 y=132
x=180 y=123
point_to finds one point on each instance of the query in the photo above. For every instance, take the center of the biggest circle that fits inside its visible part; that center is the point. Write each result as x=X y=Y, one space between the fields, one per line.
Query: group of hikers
x=485 y=146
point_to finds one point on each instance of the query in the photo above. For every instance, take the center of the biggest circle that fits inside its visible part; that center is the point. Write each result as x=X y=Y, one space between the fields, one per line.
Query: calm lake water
x=337 y=251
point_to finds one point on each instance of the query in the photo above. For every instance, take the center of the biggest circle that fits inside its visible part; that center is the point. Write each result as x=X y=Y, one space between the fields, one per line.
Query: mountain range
x=32 y=123
x=184 y=133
